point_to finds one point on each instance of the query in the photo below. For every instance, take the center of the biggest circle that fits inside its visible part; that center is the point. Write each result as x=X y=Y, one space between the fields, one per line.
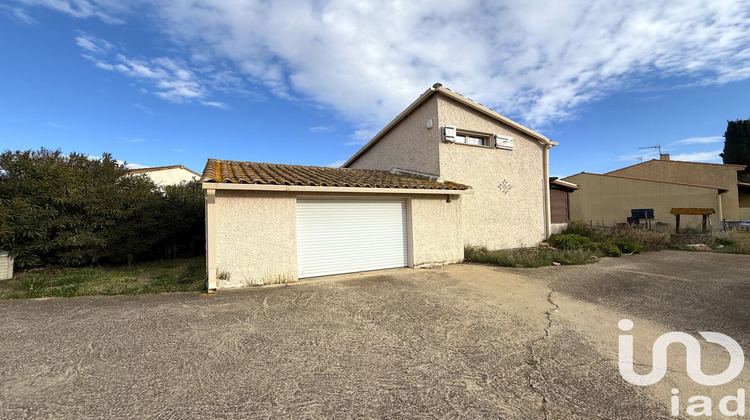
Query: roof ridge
x=650 y=180
x=678 y=161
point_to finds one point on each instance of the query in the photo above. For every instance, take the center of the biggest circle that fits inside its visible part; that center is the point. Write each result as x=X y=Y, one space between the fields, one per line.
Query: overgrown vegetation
x=626 y=240
x=735 y=243
x=529 y=257
x=578 y=244
x=180 y=275
x=72 y=210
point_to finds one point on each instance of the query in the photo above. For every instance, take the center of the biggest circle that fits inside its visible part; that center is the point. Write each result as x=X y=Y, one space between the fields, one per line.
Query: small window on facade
x=473 y=139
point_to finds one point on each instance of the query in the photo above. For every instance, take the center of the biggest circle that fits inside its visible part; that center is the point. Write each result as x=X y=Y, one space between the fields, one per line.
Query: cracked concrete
x=447 y=342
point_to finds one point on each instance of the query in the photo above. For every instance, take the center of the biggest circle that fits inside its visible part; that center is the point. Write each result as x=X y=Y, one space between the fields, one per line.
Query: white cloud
x=712 y=156
x=362 y=136
x=16 y=13
x=215 y=104
x=144 y=109
x=701 y=140
x=321 y=129
x=93 y=44
x=138 y=140
x=336 y=164
x=56 y=125
x=537 y=61
x=171 y=79
x=178 y=150
x=102 y=9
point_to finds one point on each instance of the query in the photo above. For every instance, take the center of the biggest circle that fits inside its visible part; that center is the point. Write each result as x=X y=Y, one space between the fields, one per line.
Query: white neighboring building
x=168 y=175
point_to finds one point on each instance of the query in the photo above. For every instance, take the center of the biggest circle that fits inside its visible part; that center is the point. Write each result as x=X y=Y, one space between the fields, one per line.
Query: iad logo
x=702 y=405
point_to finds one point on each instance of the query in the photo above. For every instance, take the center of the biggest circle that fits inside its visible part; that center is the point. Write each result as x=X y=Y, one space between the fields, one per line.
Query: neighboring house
x=504 y=162
x=713 y=174
x=447 y=172
x=560 y=203
x=659 y=185
x=168 y=175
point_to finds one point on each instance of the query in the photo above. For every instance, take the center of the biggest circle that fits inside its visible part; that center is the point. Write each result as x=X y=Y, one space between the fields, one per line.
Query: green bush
x=628 y=246
x=609 y=249
x=72 y=210
x=578 y=228
x=724 y=241
x=570 y=242
x=528 y=257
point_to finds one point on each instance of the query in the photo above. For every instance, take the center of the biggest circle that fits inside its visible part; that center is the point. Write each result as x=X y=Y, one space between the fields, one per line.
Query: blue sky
x=178 y=81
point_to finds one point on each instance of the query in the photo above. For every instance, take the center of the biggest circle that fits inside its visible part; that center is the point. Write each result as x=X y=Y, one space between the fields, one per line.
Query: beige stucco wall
x=436 y=230
x=691 y=173
x=171 y=176
x=608 y=200
x=409 y=145
x=256 y=238
x=745 y=213
x=256 y=234
x=491 y=217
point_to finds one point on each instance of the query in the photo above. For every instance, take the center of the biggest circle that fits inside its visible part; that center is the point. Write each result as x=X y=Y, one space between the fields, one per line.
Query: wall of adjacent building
x=608 y=200
x=691 y=173
x=495 y=217
x=171 y=176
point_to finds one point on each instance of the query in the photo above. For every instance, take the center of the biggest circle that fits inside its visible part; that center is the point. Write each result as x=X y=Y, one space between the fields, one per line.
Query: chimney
x=664 y=156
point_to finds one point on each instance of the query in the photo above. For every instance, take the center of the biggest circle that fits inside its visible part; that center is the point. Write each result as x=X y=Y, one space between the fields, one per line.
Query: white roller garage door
x=346 y=236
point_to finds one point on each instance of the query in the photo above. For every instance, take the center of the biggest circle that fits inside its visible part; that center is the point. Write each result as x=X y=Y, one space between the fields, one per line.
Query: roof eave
x=319 y=189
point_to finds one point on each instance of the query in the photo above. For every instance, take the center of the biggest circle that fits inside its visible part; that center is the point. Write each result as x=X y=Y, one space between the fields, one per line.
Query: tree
x=737 y=145
x=73 y=210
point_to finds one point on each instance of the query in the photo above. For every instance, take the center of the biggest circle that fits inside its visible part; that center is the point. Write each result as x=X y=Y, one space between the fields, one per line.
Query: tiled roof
x=230 y=171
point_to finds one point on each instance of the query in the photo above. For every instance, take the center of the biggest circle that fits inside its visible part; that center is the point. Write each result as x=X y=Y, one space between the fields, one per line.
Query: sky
x=309 y=82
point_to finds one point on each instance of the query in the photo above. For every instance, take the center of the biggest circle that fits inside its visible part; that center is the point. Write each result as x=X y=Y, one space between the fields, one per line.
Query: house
x=659 y=185
x=168 y=175
x=445 y=135
x=445 y=173
x=560 y=203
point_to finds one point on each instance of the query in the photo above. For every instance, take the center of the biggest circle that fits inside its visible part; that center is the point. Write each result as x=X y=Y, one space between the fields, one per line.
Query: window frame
x=487 y=139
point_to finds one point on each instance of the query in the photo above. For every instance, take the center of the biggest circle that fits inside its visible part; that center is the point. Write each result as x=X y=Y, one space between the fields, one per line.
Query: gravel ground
x=458 y=341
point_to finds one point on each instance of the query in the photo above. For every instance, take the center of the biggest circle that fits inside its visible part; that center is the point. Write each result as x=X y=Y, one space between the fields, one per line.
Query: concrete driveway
x=458 y=341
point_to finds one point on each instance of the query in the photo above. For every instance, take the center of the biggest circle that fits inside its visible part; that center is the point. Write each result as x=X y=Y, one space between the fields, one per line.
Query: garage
x=336 y=236
x=272 y=224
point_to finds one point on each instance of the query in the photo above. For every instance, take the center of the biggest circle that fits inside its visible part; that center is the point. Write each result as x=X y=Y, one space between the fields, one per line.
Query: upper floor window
x=475 y=139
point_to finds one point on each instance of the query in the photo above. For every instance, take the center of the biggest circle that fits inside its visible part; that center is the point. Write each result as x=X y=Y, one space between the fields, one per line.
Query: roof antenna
x=658 y=148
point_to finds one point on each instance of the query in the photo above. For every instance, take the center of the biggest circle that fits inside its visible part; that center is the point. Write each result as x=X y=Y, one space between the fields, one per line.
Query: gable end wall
x=409 y=145
x=491 y=217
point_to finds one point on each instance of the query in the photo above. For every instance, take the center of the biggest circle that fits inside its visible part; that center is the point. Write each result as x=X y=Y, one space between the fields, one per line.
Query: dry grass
x=736 y=243
x=181 y=275
x=529 y=257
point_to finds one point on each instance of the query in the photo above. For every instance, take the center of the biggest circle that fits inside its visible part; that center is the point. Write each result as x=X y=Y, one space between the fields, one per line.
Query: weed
x=153 y=277
x=529 y=257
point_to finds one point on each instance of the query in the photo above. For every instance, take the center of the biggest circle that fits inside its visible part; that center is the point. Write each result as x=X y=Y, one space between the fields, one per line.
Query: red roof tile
x=230 y=171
